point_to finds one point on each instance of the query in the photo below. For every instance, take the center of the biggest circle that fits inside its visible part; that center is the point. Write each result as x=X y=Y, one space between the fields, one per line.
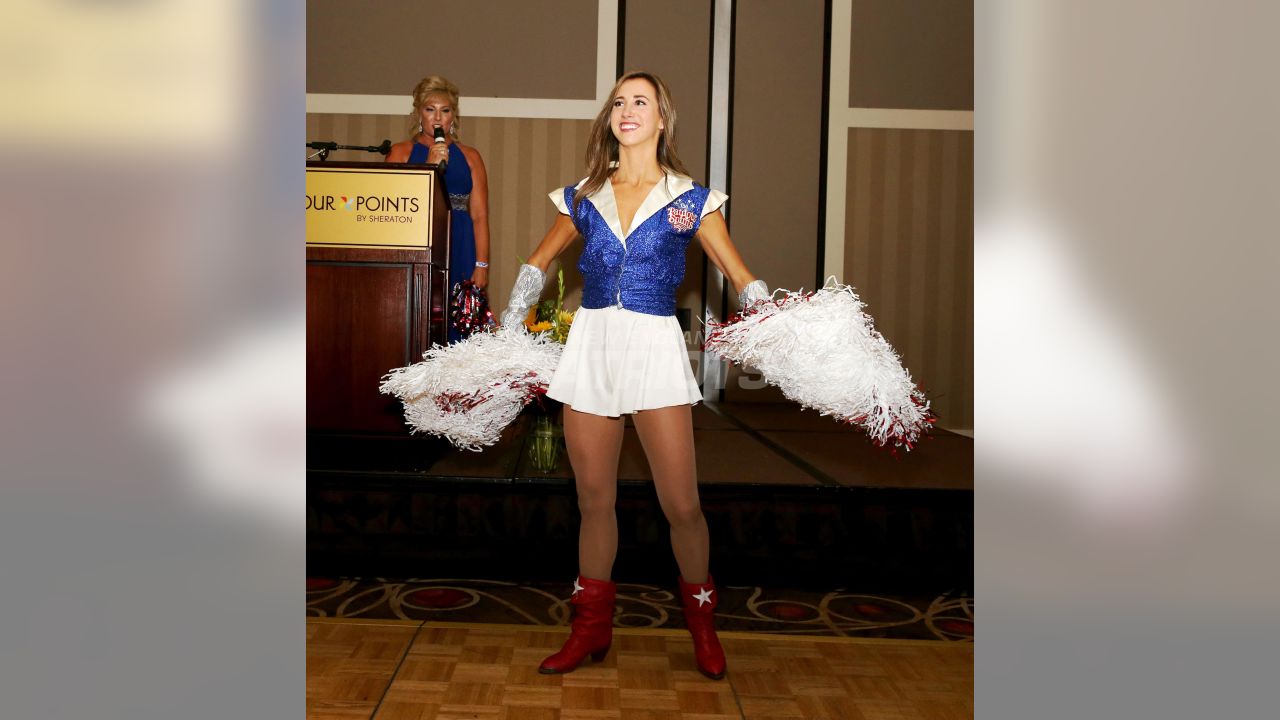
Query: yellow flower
x=566 y=317
x=539 y=327
x=532 y=317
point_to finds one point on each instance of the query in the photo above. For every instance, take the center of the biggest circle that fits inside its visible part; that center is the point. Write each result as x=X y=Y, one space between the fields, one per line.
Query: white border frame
x=714 y=369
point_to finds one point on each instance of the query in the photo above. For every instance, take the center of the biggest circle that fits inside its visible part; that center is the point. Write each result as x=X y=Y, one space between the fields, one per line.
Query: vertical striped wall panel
x=525 y=159
x=909 y=227
x=909 y=252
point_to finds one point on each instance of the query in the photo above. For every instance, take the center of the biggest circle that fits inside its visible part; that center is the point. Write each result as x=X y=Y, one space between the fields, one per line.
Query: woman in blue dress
x=636 y=210
x=435 y=105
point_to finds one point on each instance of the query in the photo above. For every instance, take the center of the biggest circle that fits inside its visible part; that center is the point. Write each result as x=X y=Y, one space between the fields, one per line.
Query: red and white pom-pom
x=471 y=311
x=468 y=392
x=824 y=352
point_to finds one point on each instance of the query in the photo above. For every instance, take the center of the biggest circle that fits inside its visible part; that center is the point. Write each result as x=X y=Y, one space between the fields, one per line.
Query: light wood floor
x=410 y=670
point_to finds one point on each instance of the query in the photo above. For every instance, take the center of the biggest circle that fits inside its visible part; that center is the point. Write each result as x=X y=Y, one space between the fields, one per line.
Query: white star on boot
x=703 y=597
x=576 y=587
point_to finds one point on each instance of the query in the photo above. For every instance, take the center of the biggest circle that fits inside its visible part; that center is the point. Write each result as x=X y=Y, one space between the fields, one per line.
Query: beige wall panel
x=492 y=48
x=671 y=38
x=777 y=134
x=525 y=160
x=777 y=128
x=909 y=253
x=911 y=54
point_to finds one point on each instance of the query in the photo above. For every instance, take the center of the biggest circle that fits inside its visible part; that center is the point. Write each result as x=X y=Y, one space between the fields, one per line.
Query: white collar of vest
x=669 y=188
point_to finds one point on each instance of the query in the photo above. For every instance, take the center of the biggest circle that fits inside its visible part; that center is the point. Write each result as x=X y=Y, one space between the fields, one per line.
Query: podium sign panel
x=377 y=291
x=378 y=207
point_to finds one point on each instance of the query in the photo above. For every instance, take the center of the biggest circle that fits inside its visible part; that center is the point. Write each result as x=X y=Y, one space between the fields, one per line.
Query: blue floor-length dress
x=462 y=236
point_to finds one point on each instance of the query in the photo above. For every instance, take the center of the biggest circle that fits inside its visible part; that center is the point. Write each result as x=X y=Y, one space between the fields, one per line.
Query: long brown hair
x=602 y=147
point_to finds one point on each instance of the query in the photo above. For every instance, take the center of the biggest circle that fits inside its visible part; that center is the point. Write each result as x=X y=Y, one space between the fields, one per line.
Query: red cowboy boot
x=700 y=602
x=592 y=628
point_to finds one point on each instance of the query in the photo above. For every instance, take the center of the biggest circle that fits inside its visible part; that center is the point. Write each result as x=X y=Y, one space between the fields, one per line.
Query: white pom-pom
x=824 y=352
x=468 y=392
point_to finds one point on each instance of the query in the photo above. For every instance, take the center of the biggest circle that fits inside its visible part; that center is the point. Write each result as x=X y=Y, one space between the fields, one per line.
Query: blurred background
x=1124 y=351
x=1124 y=348
x=152 y=442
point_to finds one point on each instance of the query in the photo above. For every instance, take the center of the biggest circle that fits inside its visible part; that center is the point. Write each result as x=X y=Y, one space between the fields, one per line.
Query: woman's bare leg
x=594 y=442
x=667 y=436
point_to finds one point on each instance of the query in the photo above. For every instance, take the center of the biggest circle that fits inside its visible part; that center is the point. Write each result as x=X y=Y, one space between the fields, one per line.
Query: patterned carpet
x=751 y=609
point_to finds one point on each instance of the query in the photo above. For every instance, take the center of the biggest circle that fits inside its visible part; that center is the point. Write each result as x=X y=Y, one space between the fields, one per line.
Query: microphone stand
x=323 y=148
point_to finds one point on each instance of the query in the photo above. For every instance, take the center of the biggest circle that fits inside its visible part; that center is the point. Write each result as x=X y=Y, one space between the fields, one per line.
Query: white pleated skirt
x=617 y=362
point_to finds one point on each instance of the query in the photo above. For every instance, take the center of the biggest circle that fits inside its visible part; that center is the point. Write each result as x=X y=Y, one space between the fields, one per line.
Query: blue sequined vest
x=642 y=275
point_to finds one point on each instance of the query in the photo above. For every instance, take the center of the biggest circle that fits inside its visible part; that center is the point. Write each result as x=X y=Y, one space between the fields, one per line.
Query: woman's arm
x=714 y=236
x=479 y=212
x=533 y=274
x=562 y=233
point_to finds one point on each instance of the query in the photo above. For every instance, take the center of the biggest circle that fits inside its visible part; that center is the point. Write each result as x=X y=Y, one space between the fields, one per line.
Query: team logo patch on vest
x=680 y=219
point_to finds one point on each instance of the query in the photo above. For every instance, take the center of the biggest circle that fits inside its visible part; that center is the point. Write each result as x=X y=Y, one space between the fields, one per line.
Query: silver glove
x=524 y=295
x=755 y=290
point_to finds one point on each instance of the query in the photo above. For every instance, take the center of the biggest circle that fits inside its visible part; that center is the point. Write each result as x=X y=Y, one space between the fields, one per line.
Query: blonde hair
x=427 y=88
x=602 y=146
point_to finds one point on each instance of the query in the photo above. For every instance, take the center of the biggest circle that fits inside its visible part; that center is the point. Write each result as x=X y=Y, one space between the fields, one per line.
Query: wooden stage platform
x=792 y=499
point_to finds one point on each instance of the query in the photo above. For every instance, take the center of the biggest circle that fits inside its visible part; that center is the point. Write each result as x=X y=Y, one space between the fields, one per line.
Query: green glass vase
x=544 y=443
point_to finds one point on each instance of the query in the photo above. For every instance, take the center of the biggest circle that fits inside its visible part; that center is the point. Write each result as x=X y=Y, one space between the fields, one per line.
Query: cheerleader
x=636 y=210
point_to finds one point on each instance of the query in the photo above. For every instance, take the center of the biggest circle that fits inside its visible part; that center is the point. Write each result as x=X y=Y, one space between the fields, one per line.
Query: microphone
x=438 y=132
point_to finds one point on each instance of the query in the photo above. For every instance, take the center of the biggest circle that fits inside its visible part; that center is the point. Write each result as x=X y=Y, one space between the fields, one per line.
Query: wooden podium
x=377 y=287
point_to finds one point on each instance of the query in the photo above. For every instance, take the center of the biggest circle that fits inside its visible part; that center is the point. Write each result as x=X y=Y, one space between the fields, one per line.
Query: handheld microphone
x=438 y=132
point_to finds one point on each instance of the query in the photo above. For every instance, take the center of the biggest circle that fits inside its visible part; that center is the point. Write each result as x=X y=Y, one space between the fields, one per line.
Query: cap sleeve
x=715 y=199
x=557 y=197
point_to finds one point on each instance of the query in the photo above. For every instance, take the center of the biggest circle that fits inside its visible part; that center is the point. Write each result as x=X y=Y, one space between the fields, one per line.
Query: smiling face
x=437 y=111
x=635 y=118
